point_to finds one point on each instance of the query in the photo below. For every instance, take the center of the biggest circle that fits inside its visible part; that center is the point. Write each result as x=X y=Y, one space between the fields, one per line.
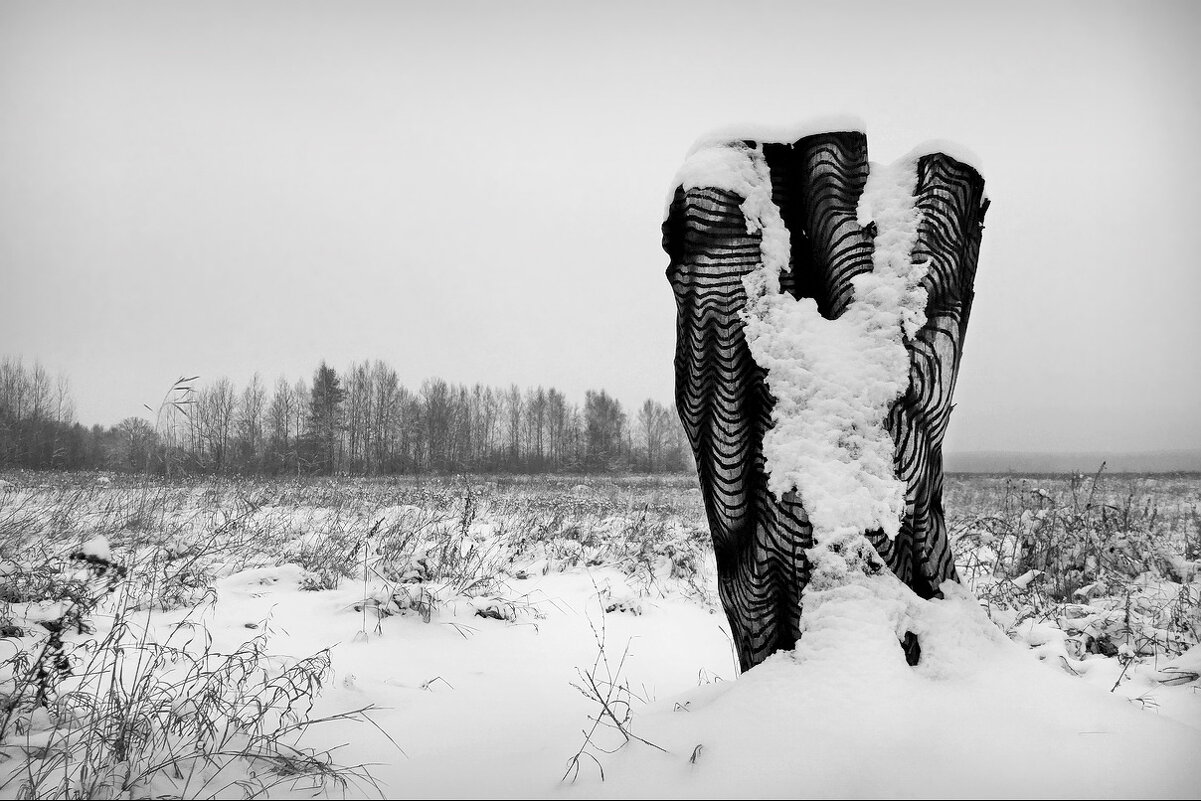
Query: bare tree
x=380 y=426
x=251 y=408
x=436 y=414
x=535 y=405
x=491 y=407
x=385 y=416
x=514 y=411
x=359 y=399
x=215 y=419
x=282 y=431
x=137 y=444
x=556 y=426
x=653 y=422
x=410 y=430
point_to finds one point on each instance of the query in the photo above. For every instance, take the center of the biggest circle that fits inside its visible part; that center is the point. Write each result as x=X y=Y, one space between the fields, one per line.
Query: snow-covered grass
x=513 y=637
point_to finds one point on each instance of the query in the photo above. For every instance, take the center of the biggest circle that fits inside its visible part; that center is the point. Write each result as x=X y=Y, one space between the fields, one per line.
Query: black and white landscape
x=339 y=454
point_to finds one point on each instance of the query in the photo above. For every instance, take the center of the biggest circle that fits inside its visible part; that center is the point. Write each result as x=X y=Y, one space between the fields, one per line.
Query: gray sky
x=475 y=190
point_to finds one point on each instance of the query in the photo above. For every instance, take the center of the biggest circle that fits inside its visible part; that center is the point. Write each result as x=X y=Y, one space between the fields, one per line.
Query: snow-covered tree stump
x=822 y=304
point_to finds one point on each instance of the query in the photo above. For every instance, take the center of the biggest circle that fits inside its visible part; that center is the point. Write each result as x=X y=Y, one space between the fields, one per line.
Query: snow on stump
x=822 y=304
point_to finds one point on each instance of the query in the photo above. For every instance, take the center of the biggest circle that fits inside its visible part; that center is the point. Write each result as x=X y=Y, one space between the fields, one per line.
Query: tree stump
x=762 y=542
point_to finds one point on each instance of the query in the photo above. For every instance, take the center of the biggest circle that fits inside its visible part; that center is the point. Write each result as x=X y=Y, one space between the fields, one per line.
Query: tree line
x=362 y=421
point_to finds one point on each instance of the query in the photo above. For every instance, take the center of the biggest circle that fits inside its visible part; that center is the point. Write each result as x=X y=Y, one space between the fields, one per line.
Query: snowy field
x=562 y=638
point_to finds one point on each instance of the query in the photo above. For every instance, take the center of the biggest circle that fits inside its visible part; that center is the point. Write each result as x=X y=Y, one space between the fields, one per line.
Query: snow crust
x=729 y=134
x=948 y=147
x=98 y=548
x=844 y=716
x=786 y=134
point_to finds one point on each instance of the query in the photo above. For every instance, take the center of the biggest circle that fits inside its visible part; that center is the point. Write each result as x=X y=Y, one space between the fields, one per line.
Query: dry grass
x=97 y=700
x=1085 y=565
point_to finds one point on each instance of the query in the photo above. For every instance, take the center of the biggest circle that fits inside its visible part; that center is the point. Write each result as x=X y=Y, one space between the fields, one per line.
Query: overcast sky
x=474 y=191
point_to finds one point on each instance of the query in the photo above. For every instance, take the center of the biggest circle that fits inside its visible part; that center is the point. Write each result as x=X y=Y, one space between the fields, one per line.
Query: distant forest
x=362 y=422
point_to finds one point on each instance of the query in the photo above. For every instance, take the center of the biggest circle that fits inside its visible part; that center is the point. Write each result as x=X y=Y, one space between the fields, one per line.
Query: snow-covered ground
x=485 y=707
x=484 y=629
